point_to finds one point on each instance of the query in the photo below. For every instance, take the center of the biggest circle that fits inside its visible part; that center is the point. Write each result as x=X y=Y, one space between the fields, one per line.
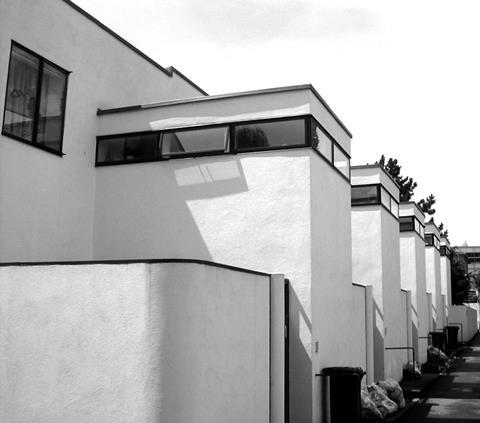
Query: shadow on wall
x=378 y=343
x=142 y=210
x=300 y=371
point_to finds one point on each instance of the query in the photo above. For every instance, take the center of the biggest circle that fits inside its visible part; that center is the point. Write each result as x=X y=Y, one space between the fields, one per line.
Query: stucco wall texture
x=276 y=211
x=412 y=266
x=376 y=262
x=134 y=343
x=46 y=212
x=432 y=269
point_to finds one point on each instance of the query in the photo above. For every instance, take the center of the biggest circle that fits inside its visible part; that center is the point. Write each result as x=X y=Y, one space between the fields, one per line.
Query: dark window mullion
x=308 y=132
x=36 y=116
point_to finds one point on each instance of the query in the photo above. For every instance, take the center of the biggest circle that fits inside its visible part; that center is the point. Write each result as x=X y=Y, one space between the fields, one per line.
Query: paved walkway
x=453 y=398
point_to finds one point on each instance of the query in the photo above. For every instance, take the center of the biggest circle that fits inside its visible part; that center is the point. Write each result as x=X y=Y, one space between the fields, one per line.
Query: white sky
x=402 y=75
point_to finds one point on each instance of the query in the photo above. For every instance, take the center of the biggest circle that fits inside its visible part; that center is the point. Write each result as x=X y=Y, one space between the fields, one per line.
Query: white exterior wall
x=432 y=266
x=413 y=279
x=446 y=278
x=137 y=342
x=466 y=315
x=283 y=210
x=394 y=310
x=376 y=256
x=359 y=324
x=367 y=270
x=46 y=212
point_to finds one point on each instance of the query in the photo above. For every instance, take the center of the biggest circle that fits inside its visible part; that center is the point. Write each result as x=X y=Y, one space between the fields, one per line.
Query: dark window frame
x=42 y=61
x=445 y=251
x=433 y=237
x=230 y=147
x=379 y=198
x=193 y=154
x=314 y=121
x=413 y=220
x=377 y=201
x=233 y=141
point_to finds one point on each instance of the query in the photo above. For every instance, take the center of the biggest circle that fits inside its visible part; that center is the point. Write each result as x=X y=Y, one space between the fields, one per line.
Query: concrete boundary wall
x=143 y=342
x=464 y=316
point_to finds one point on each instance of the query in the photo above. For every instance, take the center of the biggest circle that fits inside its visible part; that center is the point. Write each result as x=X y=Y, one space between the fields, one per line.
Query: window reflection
x=321 y=142
x=406 y=224
x=21 y=94
x=262 y=135
x=194 y=141
x=364 y=195
x=34 y=108
x=127 y=148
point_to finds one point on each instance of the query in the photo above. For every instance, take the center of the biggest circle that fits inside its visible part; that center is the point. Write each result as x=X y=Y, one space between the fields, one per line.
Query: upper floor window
x=365 y=194
x=35 y=100
x=267 y=135
x=374 y=194
x=411 y=223
x=431 y=240
x=445 y=251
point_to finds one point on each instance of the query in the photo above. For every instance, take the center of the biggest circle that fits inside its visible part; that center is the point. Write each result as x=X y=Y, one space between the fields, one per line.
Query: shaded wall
x=137 y=342
x=432 y=266
x=283 y=210
x=465 y=317
x=394 y=311
x=46 y=212
x=413 y=279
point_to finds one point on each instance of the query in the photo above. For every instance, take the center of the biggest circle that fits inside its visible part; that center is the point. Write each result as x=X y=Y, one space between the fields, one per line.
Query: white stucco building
x=106 y=155
x=434 y=282
x=412 y=271
x=376 y=262
x=445 y=274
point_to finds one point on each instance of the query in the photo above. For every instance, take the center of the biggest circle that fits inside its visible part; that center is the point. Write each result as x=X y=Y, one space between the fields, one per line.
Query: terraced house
x=134 y=208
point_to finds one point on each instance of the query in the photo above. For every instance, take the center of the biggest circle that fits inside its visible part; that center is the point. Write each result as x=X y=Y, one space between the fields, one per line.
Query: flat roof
x=168 y=71
x=290 y=88
x=376 y=166
x=413 y=203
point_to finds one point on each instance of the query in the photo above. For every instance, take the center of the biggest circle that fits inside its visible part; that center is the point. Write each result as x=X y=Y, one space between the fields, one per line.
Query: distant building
x=472 y=255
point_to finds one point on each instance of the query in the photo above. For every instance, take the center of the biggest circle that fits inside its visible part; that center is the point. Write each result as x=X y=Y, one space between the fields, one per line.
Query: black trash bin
x=452 y=337
x=345 y=391
x=438 y=340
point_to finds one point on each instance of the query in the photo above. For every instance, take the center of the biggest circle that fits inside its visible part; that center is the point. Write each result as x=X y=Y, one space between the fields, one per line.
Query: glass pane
x=422 y=231
x=341 y=161
x=111 y=150
x=385 y=198
x=321 y=142
x=260 y=135
x=394 y=207
x=417 y=226
x=194 y=141
x=131 y=148
x=141 y=147
x=437 y=242
x=21 y=94
x=365 y=195
x=52 y=100
x=406 y=224
x=429 y=240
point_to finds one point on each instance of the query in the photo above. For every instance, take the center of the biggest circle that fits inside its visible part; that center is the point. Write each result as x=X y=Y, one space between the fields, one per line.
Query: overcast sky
x=402 y=75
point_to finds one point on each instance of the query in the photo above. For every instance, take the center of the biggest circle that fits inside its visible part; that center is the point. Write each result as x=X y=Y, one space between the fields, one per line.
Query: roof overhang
x=199 y=111
x=374 y=174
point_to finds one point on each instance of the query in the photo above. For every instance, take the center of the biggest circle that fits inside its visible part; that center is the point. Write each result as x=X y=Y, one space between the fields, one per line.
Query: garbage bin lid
x=343 y=371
